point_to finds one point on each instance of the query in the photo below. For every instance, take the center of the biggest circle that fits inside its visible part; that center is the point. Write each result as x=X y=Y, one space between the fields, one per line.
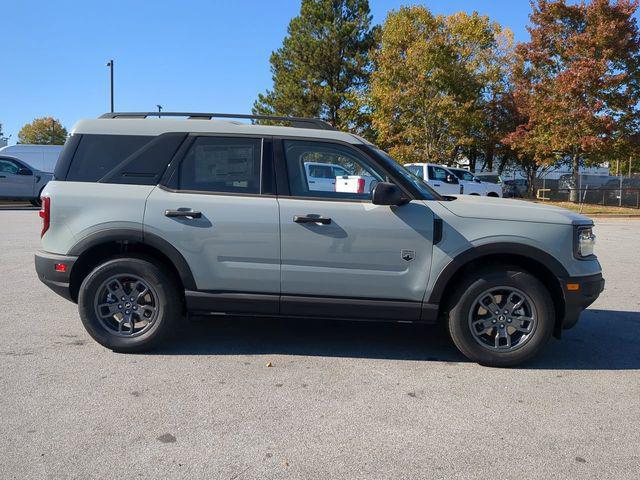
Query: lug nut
x=493 y=321
x=135 y=308
x=120 y=307
x=132 y=301
x=509 y=321
x=127 y=312
x=502 y=325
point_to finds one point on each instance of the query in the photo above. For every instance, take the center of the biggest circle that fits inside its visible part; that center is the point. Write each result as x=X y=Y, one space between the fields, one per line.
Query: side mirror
x=477 y=180
x=387 y=194
x=24 y=171
x=451 y=179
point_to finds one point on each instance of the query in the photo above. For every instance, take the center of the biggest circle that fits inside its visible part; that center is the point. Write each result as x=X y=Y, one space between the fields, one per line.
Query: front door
x=442 y=181
x=343 y=256
x=13 y=185
x=215 y=212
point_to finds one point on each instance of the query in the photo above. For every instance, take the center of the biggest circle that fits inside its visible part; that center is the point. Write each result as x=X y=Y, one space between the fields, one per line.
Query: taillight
x=45 y=215
x=360 y=185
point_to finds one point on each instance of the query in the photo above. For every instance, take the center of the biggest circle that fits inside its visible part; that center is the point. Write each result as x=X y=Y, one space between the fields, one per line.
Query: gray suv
x=149 y=220
x=19 y=181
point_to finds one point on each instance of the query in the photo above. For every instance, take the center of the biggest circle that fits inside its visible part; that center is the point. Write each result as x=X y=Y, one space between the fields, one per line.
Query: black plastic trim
x=63 y=164
x=356 y=308
x=136 y=236
x=553 y=265
x=56 y=281
x=437 y=230
x=232 y=302
x=577 y=300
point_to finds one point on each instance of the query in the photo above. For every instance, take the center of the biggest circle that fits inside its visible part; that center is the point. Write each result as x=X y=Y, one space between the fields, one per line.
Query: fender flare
x=132 y=235
x=505 y=248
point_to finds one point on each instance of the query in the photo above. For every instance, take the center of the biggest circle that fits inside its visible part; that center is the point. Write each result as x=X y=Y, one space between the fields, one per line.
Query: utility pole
x=110 y=65
x=53 y=129
x=159 y=110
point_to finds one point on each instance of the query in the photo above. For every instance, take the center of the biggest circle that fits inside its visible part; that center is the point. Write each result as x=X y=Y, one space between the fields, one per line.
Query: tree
x=432 y=78
x=43 y=131
x=578 y=82
x=323 y=66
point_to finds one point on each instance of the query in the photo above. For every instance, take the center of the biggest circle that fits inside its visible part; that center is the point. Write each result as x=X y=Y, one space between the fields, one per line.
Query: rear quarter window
x=97 y=155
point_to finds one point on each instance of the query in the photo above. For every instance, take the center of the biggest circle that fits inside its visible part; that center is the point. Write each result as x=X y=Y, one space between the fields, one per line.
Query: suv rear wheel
x=129 y=304
x=502 y=317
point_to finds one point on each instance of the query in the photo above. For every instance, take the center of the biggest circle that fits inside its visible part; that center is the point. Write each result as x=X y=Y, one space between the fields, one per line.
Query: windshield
x=418 y=183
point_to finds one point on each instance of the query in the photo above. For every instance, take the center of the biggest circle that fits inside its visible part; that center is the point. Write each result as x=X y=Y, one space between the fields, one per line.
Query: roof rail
x=297 y=122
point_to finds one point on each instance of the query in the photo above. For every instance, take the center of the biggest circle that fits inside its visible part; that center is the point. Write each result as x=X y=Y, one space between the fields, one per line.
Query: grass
x=589 y=209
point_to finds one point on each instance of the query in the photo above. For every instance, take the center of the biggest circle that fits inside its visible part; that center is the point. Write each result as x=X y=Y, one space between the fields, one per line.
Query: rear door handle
x=311 y=219
x=436 y=184
x=182 y=213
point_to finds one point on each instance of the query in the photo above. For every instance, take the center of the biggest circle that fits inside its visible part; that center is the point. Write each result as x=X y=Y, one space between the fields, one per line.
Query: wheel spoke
x=522 y=324
x=491 y=306
x=486 y=323
x=503 y=334
x=116 y=288
x=113 y=309
x=514 y=302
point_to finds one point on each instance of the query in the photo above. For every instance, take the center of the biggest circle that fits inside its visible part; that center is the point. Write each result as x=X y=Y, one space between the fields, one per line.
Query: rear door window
x=221 y=164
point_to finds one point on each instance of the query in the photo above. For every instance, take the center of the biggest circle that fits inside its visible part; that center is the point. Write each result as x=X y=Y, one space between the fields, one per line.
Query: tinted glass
x=302 y=155
x=97 y=155
x=216 y=164
x=415 y=169
x=7 y=166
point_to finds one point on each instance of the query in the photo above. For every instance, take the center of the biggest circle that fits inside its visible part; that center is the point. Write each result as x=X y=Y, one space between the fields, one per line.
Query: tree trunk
x=574 y=193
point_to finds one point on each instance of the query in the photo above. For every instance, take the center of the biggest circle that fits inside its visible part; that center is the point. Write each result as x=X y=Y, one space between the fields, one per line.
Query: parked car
x=40 y=157
x=473 y=185
x=493 y=182
x=147 y=220
x=437 y=177
x=330 y=177
x=516 y=188
x=19 y=181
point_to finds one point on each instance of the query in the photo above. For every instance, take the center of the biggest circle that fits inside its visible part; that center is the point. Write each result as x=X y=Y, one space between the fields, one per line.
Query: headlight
x=585 y=242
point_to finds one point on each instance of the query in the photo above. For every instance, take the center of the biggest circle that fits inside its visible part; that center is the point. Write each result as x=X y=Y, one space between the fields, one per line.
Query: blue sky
x=187 y=56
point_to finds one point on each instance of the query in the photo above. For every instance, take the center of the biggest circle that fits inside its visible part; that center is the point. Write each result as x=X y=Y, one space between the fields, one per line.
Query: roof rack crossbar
x=297 y=122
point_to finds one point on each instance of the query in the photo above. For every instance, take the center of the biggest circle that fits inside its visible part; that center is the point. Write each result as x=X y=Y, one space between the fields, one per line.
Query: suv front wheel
x=501 y=317
x=129 y=304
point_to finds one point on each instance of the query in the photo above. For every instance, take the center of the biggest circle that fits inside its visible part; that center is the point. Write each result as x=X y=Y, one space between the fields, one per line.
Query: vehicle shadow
x=602 y=340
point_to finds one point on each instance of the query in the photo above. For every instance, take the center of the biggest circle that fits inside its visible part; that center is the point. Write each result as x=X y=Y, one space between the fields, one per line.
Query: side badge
x=408 y=255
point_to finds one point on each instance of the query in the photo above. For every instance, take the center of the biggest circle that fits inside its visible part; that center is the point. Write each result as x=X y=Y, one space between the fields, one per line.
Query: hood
x=494 y=208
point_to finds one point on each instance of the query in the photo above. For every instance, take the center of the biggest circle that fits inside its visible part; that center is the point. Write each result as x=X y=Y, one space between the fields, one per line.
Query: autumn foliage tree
x=577 y=82
x=43 y=131
x=432 y=78
x=323 y=66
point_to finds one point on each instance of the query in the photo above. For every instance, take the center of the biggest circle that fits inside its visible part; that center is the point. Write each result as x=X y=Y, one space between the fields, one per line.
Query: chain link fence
x=592 y=189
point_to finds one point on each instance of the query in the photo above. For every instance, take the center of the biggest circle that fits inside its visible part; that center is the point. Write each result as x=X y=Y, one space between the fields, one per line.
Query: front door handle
x=311 y=219
x=182 y=213
x=436 y=184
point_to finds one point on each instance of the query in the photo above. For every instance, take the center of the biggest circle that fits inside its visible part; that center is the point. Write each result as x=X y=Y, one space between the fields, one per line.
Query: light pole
x=110 y=65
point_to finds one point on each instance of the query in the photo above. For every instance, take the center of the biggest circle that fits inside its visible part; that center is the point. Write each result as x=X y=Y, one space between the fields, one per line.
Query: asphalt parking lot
x=342 y=400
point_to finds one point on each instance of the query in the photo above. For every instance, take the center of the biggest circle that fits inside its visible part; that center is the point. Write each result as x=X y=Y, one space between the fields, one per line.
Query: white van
x=40 y=157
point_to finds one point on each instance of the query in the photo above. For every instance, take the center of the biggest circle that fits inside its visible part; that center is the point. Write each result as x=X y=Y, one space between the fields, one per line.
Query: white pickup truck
x=437 y=177
x=472 y=185
x=329 y=177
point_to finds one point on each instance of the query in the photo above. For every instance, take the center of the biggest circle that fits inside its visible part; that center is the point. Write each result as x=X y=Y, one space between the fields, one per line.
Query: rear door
x=343 y=256
x=219 y=211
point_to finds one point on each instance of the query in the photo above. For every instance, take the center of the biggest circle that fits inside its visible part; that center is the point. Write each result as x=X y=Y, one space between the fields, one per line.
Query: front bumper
x=56 y=280
x=578 y=298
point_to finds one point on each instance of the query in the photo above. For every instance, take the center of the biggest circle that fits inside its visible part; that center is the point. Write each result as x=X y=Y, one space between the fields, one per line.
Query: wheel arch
x=99 y=246
x=537 y=262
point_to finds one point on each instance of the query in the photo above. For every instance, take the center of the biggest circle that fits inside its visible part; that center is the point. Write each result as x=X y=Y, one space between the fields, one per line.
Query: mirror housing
x=386 y=193
x=451 y=178
x=477 y=180
x=24 y=171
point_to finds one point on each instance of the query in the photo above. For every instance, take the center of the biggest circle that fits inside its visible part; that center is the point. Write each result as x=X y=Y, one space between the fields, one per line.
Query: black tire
x=478 y=283
x=168 y=303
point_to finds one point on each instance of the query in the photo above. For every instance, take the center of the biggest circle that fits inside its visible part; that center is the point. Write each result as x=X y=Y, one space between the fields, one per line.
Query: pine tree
x=323 y=66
